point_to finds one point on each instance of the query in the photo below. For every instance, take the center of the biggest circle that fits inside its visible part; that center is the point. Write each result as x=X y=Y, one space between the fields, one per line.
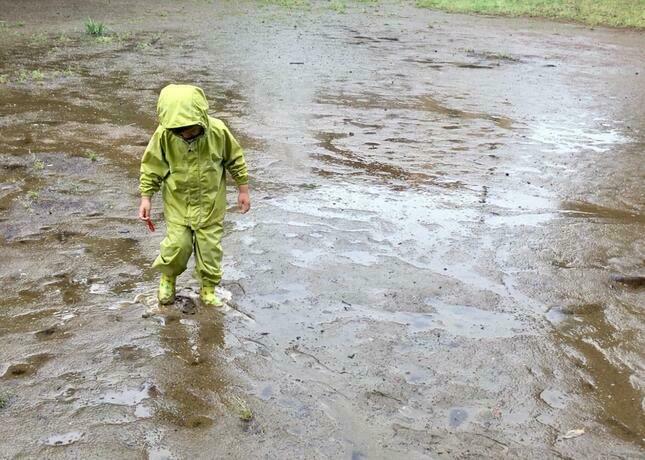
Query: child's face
x=188 y=132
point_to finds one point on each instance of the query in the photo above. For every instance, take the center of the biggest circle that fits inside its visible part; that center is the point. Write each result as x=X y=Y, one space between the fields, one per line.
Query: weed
x=38 y=38
x=7 y=25
x=62 y=38
x=339 y=6
x=32 y=195
x=92 y=156
x=23 y=75
x=3 y=79
x=243 y=411
x=4 y=400
x=94 y=28
x=37 y=75
x=68 y=72
x=104 y=39
x=39 y=164
x=287 y=3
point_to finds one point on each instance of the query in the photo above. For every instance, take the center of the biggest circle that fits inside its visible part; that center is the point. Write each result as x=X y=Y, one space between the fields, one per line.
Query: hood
x=182 y=105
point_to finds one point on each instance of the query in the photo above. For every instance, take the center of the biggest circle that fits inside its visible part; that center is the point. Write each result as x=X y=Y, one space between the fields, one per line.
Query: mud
x=444 y=257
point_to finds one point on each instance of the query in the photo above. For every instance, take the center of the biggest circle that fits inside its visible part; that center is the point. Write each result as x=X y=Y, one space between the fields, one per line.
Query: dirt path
x=444 y=257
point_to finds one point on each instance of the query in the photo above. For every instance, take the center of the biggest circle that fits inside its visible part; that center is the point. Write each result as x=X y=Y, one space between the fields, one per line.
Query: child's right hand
x=144 y=208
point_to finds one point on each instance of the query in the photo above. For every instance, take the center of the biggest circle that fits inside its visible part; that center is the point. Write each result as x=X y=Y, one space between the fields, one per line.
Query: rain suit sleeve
x=234 y=159
x=154 y=167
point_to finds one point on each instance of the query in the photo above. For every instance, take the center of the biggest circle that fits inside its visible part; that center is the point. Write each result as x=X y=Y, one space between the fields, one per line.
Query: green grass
x=242 y=409
x=94 y=28
x=93 y=156
x=287 y=3
x=339 y=6
x=615 y=13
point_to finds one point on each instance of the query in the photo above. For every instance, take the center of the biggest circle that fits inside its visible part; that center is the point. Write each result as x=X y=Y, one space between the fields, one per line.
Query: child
x=187 y=158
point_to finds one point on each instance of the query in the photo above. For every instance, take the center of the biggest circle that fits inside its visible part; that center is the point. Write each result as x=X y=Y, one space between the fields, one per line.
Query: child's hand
x=243 y=199
x=144 y=208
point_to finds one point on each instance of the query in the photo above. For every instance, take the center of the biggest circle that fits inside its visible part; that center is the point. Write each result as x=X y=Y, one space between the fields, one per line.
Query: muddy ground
x=443 y=209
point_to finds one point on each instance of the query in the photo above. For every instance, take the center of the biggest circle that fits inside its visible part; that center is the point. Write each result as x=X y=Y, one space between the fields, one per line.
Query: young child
x=187 y=158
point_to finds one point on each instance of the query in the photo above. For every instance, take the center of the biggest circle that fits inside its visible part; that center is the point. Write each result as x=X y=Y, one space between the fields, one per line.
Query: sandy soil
x=444 y=257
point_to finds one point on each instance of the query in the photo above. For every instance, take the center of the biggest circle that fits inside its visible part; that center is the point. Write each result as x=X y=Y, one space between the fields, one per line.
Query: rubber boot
x=208 y=296
x=166 y=293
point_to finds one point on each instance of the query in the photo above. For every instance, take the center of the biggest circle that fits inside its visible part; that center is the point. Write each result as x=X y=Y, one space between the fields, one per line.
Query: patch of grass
x=38 y=38
x=4 y=400
x=37 y=75
x=104 y=39
x=242 y=409
x=62 y=38
x=94 y=28
x=68 y=72
x=23 y=76
x=287 y=3
x=29 y=200
x=339 y=6
x=616 y=13
x=8 y=25
x=92 y=156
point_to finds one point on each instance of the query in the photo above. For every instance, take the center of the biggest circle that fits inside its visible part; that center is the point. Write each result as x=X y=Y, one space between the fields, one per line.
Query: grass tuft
x=339 y=6
x=94 y=28
x=243 y=411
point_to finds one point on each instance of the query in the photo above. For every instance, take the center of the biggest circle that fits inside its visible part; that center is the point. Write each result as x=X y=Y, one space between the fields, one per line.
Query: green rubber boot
x=166 y=293
x=208 y=296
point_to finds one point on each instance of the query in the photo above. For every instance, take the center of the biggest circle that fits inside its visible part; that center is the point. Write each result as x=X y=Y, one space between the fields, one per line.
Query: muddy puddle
x=444 y=257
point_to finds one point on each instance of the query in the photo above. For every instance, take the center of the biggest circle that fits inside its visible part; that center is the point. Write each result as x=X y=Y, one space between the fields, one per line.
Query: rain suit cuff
x=242 y=180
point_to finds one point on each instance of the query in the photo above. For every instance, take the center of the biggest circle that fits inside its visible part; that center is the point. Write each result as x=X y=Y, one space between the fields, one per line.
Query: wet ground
x=444 y=257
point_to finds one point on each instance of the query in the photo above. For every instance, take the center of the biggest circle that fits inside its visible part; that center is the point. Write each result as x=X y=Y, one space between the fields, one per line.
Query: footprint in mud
x=186 y=305
x=27 y=368
x=50 y=332
x=129 y=352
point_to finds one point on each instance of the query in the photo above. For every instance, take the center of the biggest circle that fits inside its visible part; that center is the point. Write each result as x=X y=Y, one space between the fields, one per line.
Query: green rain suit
x=191 y=176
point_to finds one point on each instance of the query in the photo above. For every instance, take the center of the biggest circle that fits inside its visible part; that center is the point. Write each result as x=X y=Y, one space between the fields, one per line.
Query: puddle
x=462 y=321
x=64 y=439
x=564 y=138
x=127 y=397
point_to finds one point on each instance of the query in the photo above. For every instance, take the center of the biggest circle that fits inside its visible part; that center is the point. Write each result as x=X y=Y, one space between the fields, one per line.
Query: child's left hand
x=243 y=199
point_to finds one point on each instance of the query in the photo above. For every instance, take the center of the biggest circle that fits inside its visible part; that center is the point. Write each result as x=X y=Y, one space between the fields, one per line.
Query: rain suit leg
x=178 y=245
x=208 y=253
x=176 y=248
